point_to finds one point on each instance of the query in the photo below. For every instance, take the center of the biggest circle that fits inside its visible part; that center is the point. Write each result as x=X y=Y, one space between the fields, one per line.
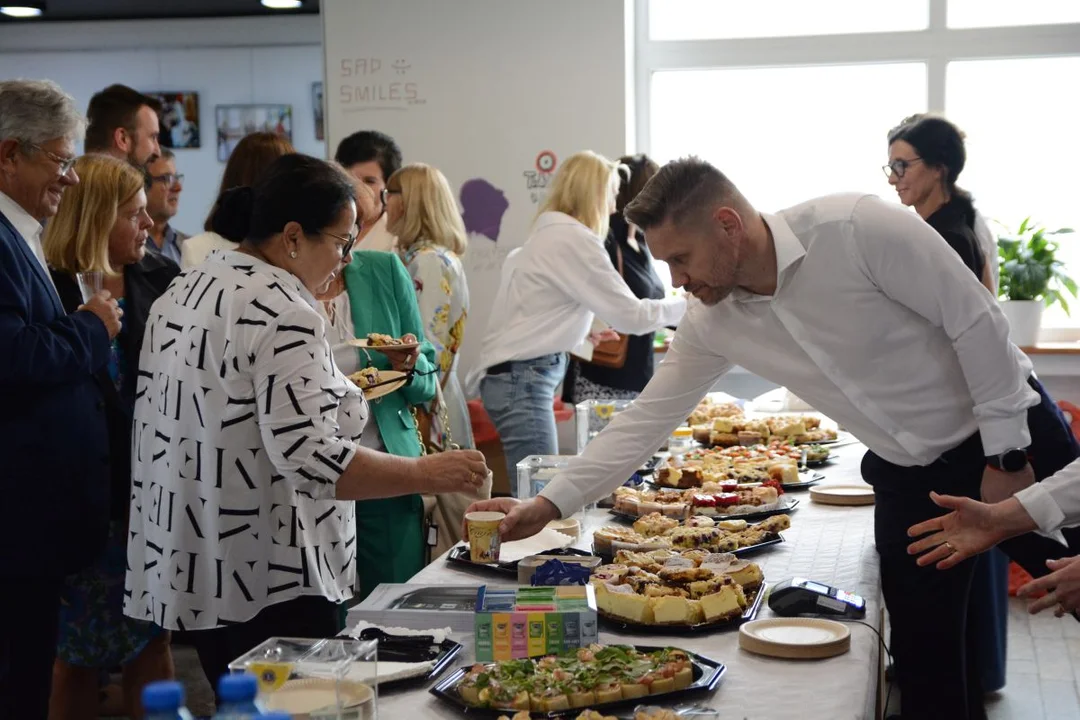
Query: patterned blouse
x=443 y=294
x=243 y=425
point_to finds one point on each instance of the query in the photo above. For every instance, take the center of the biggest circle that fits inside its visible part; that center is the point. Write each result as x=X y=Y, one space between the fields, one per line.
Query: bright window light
x=282 y=4
x=721 y=19
x=1020 y=119
x=20 y=11
x=1002 y=13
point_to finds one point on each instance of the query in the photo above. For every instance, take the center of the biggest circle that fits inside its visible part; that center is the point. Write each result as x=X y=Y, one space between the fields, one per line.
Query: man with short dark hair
x=162 y=204
x=372 y=157
x=123 y=123
x=53 y=434
x=863 y=310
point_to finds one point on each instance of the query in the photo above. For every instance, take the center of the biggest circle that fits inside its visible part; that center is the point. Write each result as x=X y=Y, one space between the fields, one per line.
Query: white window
x=716 y=19
x=1023 y=161
x=1005 y=13
x=793 y=99
x=798 y=132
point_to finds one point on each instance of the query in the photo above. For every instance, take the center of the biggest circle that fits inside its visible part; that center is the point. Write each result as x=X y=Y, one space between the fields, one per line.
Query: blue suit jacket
x=54 y=441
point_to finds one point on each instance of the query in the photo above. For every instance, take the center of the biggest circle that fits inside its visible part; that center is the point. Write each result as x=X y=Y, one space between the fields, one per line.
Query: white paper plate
x=316 y=698
x=363 y=343
x=795 y=638
x=842 y=494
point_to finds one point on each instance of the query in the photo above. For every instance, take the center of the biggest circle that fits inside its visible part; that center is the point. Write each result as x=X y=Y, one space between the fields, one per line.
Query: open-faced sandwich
x=590 y=676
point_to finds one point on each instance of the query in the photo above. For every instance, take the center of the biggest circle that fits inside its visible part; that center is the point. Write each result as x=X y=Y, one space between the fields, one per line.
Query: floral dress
x=443 y=295
x=93 y=629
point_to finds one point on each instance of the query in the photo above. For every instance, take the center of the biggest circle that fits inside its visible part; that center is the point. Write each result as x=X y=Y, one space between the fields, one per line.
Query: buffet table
x=830 y=544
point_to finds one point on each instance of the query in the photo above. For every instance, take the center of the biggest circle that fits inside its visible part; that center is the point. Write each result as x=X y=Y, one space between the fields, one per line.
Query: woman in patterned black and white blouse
x=246 y=434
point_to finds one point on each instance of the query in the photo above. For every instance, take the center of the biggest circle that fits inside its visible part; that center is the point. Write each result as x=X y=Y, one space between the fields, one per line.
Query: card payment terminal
x=799 y=596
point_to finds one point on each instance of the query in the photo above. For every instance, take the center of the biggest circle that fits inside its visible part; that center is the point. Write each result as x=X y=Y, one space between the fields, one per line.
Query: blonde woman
x=102 y=225
x=552 y=289
x=422 y=213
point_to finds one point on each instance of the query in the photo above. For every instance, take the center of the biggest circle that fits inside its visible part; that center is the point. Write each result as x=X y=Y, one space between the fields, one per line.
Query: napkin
x=546 y=539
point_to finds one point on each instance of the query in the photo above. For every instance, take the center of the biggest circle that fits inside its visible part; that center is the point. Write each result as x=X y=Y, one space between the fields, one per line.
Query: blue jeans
x=520 y=403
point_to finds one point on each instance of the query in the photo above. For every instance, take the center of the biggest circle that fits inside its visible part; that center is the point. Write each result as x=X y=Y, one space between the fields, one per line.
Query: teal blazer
x=383 y=300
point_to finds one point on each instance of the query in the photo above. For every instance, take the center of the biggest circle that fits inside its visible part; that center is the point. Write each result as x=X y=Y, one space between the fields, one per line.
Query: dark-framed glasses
x=899 y=167
x=385 y=194
x=64 y=165
x=350 y=240
x=169 y=179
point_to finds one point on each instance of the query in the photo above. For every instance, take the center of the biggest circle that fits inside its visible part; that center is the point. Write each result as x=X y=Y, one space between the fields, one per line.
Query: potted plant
x=1031 y=278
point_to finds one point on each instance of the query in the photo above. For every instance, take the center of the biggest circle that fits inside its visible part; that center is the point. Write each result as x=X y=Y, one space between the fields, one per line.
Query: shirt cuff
x=1041 y=506
x=1001 y=434
x=563 y=494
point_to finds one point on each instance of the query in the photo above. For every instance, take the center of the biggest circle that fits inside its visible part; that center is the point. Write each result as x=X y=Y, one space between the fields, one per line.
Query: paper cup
x=484 y=541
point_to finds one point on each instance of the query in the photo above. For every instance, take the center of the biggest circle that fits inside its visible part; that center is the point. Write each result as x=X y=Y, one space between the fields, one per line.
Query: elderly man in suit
x=53 y=436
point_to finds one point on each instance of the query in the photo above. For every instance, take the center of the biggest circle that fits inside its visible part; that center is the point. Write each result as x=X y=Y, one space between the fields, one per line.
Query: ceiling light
x=282 y=4
x=28 y=10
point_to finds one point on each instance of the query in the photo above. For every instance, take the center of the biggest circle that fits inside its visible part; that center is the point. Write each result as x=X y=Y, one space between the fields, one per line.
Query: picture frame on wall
x=179 y=119
x=233 y=122
x=317 y=106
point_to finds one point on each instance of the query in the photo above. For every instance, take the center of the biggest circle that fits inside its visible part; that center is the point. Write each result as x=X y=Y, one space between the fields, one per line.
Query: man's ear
x=729 y=219
x=8 y=149
x=122 y=139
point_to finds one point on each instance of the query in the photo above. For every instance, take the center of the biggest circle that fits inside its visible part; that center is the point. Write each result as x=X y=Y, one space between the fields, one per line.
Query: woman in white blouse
x=246 y=434
x=422 y=213
x=551 y=290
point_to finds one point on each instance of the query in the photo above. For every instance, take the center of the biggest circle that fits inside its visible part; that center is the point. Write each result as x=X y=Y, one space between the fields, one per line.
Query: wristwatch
x=1012 y=460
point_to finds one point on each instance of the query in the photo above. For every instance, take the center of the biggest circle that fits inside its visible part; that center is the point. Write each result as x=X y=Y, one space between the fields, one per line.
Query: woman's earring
x=292 y=254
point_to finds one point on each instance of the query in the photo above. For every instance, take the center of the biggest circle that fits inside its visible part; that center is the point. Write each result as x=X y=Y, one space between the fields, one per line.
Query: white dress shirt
x=550 y=290
x=876 y=322
x=29 y=228
x=243 y=425
x=1054 y=503
x=378 y=238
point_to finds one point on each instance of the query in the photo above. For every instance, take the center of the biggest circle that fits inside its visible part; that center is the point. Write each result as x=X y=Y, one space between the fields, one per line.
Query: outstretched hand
x=523 y=519
x=971 y=528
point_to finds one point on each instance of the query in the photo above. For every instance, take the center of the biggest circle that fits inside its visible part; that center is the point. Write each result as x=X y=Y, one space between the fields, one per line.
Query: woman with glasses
x=101 y=227
x=374 y=294
x=926 y=156
x=246 y=456
x=251 y=156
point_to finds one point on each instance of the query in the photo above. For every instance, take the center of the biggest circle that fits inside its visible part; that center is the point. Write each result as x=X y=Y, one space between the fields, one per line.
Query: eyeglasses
x=349 y=240
x=387 y=192
x=899 y=167
x=169 y=179
x=64 y=164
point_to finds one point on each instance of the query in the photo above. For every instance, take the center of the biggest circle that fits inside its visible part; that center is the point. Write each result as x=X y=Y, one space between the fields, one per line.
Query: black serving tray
x=622 y=625
x=707 y=676
x=814 y=478
x=459 y=555
x=447 y=649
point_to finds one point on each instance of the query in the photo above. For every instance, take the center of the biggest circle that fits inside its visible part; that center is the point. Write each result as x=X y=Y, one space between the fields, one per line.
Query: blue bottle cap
x=237 y=687
x=163 y=696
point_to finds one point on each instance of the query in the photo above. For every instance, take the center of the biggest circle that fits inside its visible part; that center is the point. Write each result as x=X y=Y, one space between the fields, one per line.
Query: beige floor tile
x=1052 y=658
x=1021 y=646
x=1020 y=700
x=1060 y=699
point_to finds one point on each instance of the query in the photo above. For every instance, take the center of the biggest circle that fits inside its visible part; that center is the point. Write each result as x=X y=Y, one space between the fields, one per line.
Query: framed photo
x=317 y=105
x=235 y=121
x=179 y=119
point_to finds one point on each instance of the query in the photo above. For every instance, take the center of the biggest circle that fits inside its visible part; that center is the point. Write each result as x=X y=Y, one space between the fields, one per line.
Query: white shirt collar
x=789 y=253
x=27 y=226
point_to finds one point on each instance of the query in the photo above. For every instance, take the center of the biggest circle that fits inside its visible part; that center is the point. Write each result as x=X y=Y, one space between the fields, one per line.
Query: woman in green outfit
x=375 y=295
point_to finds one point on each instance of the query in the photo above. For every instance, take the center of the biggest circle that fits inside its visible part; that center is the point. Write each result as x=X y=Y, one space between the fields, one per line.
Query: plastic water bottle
x=164 y=700
x=236 y=697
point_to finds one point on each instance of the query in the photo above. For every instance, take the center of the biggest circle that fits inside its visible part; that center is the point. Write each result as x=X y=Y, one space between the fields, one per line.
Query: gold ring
x=949 y=545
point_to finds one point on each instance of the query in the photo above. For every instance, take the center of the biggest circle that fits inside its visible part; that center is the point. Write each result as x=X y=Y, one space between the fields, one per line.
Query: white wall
x=228 y=61
x=482 y=88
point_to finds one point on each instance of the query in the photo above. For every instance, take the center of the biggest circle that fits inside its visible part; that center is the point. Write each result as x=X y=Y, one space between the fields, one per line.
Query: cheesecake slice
x=726 y=603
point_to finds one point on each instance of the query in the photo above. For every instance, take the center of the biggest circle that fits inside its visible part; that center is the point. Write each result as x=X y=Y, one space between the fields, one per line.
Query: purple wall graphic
x=483 y=207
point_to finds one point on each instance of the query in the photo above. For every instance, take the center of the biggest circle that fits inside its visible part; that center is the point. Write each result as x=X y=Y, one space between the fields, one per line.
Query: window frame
x=936 y=46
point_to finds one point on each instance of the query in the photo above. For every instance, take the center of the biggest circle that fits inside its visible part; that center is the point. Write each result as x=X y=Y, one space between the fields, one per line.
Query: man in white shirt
x=862 y=310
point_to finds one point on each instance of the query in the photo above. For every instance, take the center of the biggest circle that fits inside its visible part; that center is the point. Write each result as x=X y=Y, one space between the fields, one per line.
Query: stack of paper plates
x=795 y=638
x=842 y=494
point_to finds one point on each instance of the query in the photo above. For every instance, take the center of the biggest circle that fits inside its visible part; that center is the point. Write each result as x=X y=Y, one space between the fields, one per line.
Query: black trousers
x=29 y=622
x=929 y=608
x=307 y=616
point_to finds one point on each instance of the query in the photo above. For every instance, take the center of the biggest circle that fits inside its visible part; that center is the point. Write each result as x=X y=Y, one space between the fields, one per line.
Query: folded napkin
x=546 y=539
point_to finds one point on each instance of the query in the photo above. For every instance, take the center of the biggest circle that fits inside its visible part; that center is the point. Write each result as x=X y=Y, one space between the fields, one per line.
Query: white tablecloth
x=834 y=545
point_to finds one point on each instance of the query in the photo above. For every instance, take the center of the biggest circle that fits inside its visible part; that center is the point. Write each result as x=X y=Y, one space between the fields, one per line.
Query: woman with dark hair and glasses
x=246 y=449
x=629 y=253
x=926 y=156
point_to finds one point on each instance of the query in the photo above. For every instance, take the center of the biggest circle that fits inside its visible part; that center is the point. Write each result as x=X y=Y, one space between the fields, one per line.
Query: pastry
x=654 y=524
x=381 y=340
